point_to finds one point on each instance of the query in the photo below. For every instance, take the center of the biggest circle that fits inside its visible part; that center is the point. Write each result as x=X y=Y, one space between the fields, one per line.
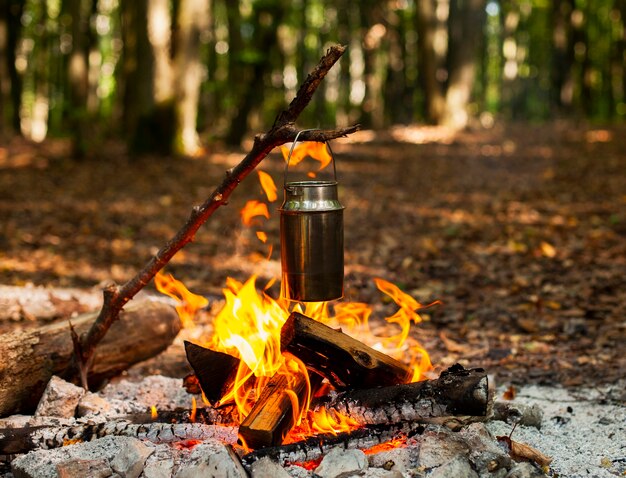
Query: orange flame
x=262 y=236
x=315 y=150
x=188 y=302
x=249 y=325
x=153 y=412
x=253 y=208
x=268 y=185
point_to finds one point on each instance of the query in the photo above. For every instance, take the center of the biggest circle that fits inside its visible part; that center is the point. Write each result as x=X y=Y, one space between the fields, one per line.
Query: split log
x=457 y=391
x=274 y=414
x=215 y=371
x=28 y=359
x=343 y=360
x=22 y=440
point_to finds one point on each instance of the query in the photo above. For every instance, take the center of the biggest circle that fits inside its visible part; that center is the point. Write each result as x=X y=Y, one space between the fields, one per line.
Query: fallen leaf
x=510 y=393
x=522 y=452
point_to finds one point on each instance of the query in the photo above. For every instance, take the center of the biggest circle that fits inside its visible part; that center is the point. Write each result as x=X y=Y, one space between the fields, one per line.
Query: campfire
x=299 y=382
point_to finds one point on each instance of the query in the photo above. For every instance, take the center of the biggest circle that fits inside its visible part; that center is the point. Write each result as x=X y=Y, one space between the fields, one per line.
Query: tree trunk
x=10 y=79
x=193 y=18
x=78 y=77
x=562 y=56
x=465 y=24
x=431 y=50
x=263 y=42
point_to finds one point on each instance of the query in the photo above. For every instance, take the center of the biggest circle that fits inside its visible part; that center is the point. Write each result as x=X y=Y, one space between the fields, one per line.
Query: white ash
x=583 y=431
x=164 y=393
x=339 y=463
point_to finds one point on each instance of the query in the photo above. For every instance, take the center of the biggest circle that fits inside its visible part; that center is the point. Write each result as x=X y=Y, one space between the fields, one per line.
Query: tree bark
x=30 y=358
x=10 y=78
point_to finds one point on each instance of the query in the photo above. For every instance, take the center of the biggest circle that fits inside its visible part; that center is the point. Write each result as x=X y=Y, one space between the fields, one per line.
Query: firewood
x=22 y=440
x=343 y=360
x=457 y=391
x=272 y=416
x=214 y=370
x=317 y=446
x=29 y=358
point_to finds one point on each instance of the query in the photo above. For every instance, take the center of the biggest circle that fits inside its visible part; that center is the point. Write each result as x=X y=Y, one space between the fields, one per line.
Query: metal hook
x=293 y=145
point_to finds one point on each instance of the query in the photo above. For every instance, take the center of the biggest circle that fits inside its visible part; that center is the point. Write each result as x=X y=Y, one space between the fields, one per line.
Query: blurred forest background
x=168 y=76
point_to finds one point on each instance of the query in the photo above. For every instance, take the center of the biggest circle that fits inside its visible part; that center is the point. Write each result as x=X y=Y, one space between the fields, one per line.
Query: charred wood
x=22 y=440
x=457 y=391
x=29 y=358
x=343 y=360
x=215 y=371
x=317 y=446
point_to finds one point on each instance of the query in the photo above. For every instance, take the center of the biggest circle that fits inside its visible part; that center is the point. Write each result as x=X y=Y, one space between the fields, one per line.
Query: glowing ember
x=267 y=183
x=153 y=412
x=253 y=209
x=315 y=150
x=188 y=302
x=386 y=446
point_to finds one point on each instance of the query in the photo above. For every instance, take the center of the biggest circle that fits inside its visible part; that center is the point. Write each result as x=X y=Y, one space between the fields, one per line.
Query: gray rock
x=525 y=470
x=211 y=459
x=438 y=448
x=265 y=467
x=380 y=473
x=398 y=459
x=158 y=469
x=484 y=452
x=59 y=399
x=512 y=413
x=129 y=462
x=340 y=463
x=43 y=463
x=84 y=469
x=458 y=467
x=92 y=404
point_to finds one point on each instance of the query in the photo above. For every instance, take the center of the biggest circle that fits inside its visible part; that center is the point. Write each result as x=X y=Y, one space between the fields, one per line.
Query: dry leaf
x=451 y=345
x=522 y=452
x=509 y=393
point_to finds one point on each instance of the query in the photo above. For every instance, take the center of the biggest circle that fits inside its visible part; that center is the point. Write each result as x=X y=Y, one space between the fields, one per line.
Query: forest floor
x=520 y=232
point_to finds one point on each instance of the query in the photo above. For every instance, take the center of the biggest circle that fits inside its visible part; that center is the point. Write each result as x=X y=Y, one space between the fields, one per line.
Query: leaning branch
x=283 y=131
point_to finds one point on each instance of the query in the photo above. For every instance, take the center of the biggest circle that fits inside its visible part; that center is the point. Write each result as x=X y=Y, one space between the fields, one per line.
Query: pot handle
x=293 y=145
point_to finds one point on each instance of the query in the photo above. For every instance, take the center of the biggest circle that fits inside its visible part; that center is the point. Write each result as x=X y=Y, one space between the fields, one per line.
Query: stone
x=398 y=459
x=484 y=452
x=458 y=467
x=380 y=473
x=59 y=399
x=129 y=462
x=525 y=470
x=518 y=413
x=92 y=404
x=437 y=448
x=84 y=469
x=266 y=467
x=340 y=463
x=211 y=459
x=43 y=463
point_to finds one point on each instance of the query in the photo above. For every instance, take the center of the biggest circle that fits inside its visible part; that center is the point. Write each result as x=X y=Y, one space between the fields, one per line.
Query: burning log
x=214 y=370
x=457 y=391
x=31 y=357
x=317 y=446
x=343 y=360
x=275 y=412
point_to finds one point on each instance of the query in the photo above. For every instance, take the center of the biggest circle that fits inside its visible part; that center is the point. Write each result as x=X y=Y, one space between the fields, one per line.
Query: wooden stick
x=344 y=361
x=29 y=358
x=215 y=371
x=116 y=297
